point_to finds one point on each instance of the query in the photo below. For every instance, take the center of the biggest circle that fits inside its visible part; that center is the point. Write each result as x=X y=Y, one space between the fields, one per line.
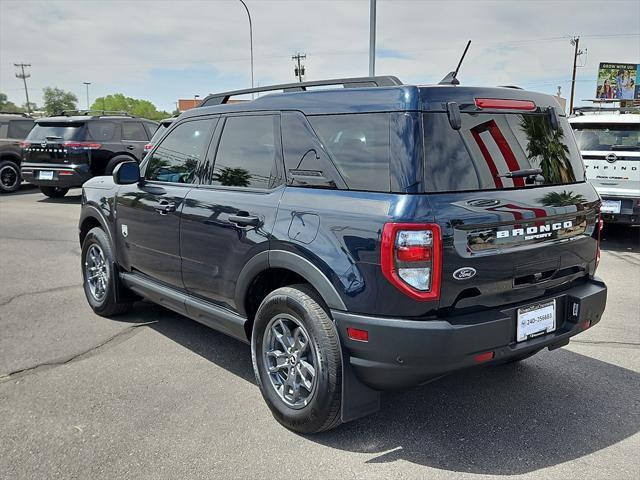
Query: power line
x=24 y=77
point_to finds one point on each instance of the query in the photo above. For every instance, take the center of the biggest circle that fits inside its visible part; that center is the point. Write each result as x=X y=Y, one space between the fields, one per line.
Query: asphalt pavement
x=153 y=395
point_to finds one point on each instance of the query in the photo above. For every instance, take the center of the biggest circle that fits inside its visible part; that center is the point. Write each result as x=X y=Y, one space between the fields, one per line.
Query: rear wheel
x=54 y=192
x=9 y=176
x=296 y=360
x=99 y=274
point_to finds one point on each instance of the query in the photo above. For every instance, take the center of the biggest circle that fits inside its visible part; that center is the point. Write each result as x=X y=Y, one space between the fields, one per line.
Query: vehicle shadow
x=69 y=198
x=620 y=238
x=503 y=420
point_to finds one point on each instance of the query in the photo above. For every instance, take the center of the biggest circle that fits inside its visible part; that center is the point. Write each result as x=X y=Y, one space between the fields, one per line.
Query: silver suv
x=610 y=146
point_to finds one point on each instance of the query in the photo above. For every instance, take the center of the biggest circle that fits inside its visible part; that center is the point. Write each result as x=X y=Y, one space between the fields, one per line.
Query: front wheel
x=9 y=176
x=296 y=359
x=54 y=192
x=99 y=274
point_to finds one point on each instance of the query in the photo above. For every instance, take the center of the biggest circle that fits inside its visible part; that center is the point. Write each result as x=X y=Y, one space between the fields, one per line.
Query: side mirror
x=126 y=173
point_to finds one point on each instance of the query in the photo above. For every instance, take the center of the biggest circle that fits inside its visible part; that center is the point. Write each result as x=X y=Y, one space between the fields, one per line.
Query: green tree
x=547 y=147
x=7 y=106
x=56 y=100
x=233 y=177
x=564 y=199
x=133 y=106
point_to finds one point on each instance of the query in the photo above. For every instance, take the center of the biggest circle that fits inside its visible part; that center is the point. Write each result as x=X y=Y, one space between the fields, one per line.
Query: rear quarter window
x=103 y=131
x=19 y=128
x=489 y=146
x=358 y=145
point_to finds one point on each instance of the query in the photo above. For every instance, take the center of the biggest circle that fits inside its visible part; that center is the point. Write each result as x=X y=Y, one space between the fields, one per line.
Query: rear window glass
x=481 y=154
x=359 y=147
x=56 y=131
x=19 y=128
x=600 y=136
x=102 y=131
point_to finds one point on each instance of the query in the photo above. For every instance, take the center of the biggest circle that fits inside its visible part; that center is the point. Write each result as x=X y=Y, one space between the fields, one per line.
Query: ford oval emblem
x=464 y=273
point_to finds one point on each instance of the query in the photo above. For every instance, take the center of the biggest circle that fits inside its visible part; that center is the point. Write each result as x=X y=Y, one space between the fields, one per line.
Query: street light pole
x=87 y=84
x=372 y=38
x=250 y=39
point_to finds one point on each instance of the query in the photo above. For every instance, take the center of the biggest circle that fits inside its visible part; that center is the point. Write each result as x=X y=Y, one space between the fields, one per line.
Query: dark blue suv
x=365 y=237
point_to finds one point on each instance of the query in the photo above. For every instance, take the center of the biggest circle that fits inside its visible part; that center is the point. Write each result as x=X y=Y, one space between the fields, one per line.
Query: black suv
x=360 y=239
x=14 y=127
x=65 y=151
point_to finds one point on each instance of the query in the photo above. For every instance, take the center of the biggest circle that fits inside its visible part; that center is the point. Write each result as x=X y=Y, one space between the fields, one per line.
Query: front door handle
x=165 y=206
x=245 y=220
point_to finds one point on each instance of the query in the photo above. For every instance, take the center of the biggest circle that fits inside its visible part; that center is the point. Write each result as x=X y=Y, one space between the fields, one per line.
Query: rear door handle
x=130 y=147
x=245 y=220
x=165 y=206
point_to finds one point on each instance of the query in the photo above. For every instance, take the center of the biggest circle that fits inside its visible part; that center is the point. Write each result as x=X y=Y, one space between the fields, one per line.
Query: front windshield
x=601 y=136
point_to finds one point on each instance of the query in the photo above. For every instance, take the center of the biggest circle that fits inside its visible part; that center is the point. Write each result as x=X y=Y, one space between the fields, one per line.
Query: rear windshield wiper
x=625 y=147
x=53 y=137
x=525 y=172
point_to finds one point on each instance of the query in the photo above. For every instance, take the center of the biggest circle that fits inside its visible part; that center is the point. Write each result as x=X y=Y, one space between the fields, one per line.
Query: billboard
x=618 y=81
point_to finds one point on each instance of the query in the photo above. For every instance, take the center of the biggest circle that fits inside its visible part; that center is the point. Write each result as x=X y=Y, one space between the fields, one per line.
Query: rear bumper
x=402 y=353
x=64 y=176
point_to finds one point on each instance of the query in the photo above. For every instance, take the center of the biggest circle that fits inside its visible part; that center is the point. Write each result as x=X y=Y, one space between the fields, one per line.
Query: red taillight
x=357 y=334
x=82 y=145
x=503 y=104
x=410 y=258
x=64 y=172
x=148 y=146
x=25 y=144
x=483 y=357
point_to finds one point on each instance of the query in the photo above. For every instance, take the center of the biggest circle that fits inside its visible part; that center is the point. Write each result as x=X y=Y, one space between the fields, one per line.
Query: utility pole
x=372 y=38
x=87 y=84
x=299 y=70
x=24 y=77
x=575 y=42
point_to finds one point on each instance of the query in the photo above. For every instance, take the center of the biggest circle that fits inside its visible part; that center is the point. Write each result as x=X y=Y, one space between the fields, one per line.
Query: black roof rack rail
x=68 y=113
x=355 y=82
x=22 y=114
x=515 y=87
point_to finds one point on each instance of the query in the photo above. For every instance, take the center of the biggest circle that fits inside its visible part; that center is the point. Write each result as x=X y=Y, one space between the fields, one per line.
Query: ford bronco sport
x=360 y=239
x=63 y=152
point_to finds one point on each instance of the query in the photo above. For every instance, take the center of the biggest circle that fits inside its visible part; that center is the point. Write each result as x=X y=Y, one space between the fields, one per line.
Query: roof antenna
x=451 y=79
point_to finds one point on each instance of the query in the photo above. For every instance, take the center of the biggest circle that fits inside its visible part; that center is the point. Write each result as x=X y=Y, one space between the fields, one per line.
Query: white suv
x=610 y=147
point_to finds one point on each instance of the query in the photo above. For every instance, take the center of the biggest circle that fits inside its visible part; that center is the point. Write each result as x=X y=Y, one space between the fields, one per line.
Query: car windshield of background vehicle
x=176 y=158
x=488 y=147
x=595 y=136
x=56 y=132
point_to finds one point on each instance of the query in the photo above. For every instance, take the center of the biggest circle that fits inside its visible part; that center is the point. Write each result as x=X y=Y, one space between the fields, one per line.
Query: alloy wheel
x=96 y=273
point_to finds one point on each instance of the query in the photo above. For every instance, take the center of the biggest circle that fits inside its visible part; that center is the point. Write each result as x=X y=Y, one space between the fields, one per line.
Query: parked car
x=65 y=151
x=162 y=127
x=14 y=127
x=610 y=145
x=360 y=239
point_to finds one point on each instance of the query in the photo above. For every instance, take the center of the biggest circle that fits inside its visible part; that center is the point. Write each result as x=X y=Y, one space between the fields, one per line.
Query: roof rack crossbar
x=354 y=82
x=68 y=113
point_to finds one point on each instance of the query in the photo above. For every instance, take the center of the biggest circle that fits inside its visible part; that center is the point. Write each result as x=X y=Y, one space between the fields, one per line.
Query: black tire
x=10 y=178
x=106 y=304
x=54 y=192
x=111 y=165
x=321 y=409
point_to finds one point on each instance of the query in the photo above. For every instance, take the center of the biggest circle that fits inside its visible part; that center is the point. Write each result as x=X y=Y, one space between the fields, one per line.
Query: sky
x=164 y=50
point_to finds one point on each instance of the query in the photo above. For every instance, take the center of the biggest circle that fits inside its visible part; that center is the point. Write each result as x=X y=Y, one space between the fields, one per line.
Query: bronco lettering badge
x=530 y=233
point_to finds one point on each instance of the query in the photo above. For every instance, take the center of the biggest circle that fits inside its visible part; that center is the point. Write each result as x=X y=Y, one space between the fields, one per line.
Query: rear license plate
x=536 y=320
x=45 y=175
x=610 y=206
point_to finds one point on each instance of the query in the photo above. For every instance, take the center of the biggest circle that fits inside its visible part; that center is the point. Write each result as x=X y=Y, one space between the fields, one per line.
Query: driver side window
x=176 y=158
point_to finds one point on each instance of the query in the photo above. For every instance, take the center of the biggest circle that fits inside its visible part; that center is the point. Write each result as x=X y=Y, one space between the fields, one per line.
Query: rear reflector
x=503 y=104
x=483 y=357
x=65 y=172
x=414 y=254
x=357 y=334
